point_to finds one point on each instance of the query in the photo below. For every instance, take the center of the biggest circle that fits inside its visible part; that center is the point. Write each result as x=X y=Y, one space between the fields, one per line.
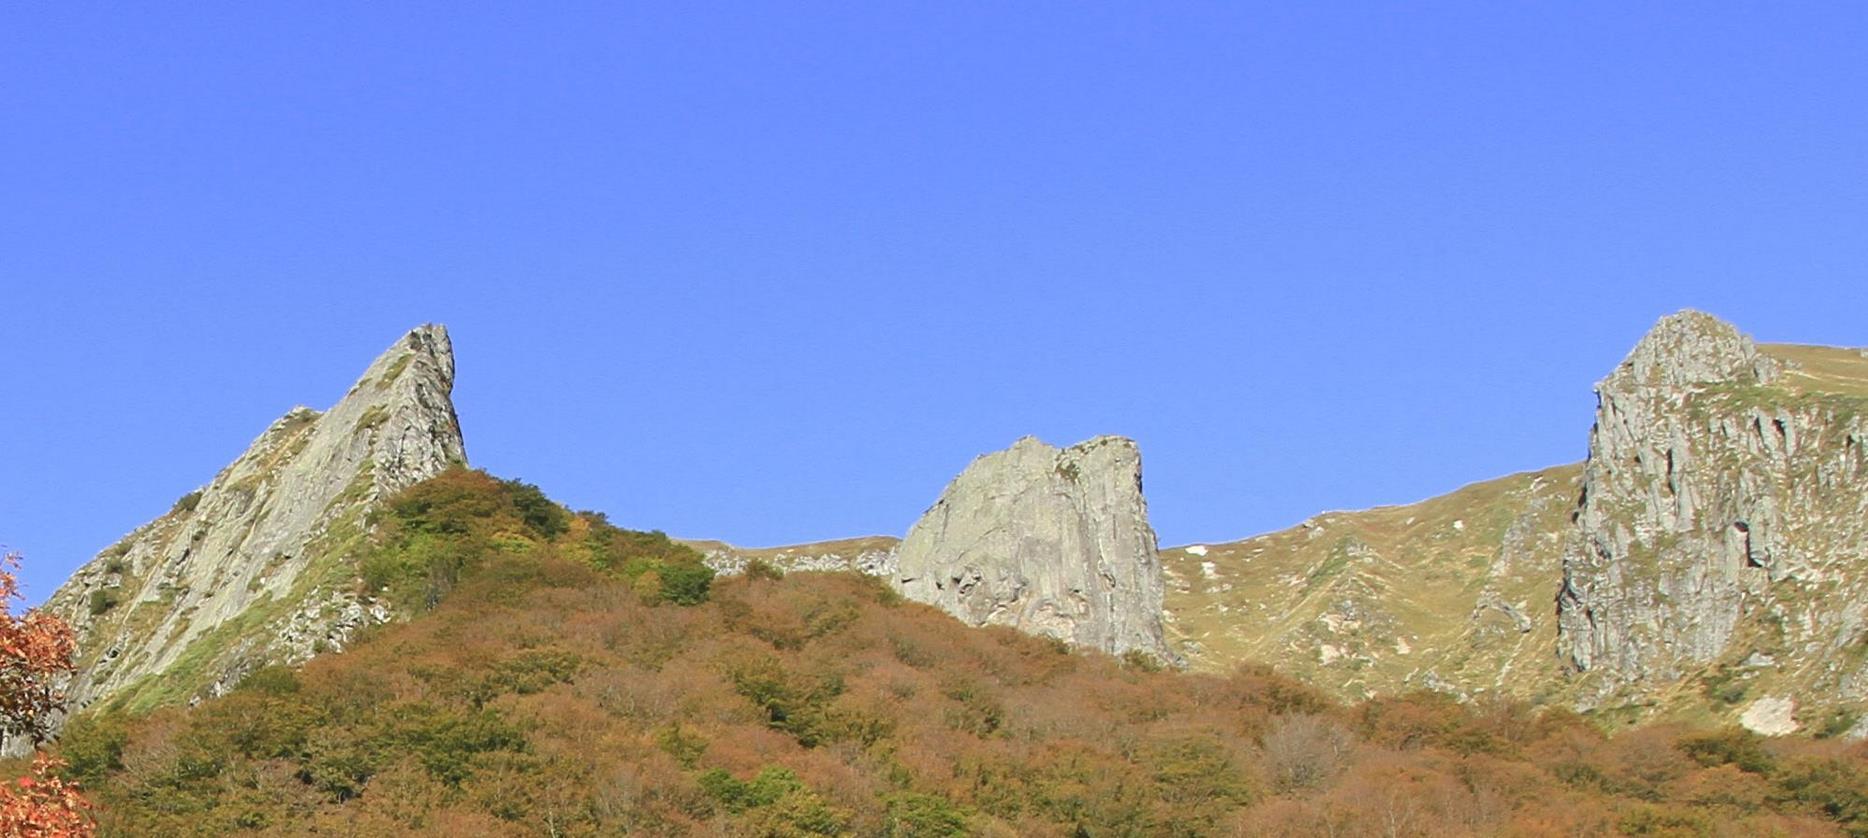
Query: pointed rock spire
x=259 y=566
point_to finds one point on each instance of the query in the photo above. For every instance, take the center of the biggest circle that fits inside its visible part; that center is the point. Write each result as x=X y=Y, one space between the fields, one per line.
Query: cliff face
x=1052 y=542
x=259 y=566
x=1723 y=527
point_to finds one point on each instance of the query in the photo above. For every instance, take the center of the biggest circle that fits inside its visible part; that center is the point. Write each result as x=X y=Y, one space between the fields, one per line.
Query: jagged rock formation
x=873 y=555
x=1724 y=519
x=1454 y=593
x=259 y=566
x=1708 y=560
x=1052 y=542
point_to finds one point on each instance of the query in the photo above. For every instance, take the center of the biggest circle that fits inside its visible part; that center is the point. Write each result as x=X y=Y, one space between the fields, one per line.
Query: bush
x=186 y=503
x=92 y=746
x=103 y=599
x=272 y=680
x=910 y=815
x=686 y=584
x=1303 y=752
x=539 y=514
x=1731 y=746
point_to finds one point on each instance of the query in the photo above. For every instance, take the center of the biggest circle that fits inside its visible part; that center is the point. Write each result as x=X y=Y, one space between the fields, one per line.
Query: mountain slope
x=546 y=695
x=1453 y=593
x=1708 y=561
x=260 y=565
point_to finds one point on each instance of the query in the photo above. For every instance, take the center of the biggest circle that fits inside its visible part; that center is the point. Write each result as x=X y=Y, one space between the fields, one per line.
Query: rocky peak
x=259 y=565
x=1722 y=488
x=1052 y=542
x=1688 y=349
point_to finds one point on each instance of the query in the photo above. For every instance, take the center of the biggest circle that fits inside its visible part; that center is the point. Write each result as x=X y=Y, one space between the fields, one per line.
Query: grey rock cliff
x=1723 y=515
x=259 y=566
x=1052 y=542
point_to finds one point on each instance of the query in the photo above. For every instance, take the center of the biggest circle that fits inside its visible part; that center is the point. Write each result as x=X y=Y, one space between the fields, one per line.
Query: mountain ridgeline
x=1705 y=562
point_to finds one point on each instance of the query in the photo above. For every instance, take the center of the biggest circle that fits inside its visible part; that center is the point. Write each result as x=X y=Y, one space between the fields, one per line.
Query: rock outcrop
x=259 y=566
x=1723 y=516
x=1052 y=542
x=872 y=556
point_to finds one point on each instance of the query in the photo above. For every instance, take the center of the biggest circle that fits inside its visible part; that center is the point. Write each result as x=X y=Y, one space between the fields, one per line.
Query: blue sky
x=776 y=272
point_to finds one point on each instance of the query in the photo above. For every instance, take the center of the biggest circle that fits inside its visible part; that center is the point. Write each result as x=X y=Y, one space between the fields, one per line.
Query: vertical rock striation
x=1723 y=514
x=259 y=566
x=1052 y=542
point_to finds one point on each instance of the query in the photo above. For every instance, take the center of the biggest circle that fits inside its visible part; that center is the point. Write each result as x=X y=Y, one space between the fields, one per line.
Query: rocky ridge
x=259 y=565
x=872 y=555
x=1709 y=558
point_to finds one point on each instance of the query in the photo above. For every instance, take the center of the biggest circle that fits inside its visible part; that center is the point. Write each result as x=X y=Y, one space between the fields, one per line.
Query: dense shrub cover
x=546 y=694
x=436 y=530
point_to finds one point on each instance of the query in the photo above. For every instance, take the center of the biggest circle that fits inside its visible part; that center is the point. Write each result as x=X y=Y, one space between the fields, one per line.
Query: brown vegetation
x=546 y=694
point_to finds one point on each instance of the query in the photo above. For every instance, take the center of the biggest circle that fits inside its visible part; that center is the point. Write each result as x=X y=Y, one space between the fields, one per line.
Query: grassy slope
x=1388 y=599
x=1822 y=369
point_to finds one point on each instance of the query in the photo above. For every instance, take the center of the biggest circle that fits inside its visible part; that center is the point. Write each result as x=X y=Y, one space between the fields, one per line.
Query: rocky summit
x=259 y=566
x=1052 y=542
x=1722 y=533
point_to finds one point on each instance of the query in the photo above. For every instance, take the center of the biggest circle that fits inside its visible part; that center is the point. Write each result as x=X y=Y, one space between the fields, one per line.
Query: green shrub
x=1142 y=660
x=103 y=599
x=186 y=503
x=1839 y=721
x=910 y=815
x=272 y=680
x=1730 y=746
x=1836 y=787
x=678 y=742
x=776 y=802
x=92 y=746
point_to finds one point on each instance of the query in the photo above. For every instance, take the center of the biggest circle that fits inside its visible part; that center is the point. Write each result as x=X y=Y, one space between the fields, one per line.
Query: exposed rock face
x=873 y=556
x=1723 y=514
x=1052 y=542
x=259 y=566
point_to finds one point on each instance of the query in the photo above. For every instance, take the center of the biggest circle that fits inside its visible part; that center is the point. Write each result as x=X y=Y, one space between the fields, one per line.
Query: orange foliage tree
x=36 y=650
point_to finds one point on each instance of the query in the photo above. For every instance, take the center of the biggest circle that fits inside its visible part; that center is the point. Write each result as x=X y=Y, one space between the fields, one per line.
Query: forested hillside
x=566 y=677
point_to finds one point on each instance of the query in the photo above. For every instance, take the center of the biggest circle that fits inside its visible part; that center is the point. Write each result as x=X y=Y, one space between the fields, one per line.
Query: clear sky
x=776 y=272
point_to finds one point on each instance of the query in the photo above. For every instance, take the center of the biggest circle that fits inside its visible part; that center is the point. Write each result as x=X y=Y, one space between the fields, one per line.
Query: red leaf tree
x=36 y=651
